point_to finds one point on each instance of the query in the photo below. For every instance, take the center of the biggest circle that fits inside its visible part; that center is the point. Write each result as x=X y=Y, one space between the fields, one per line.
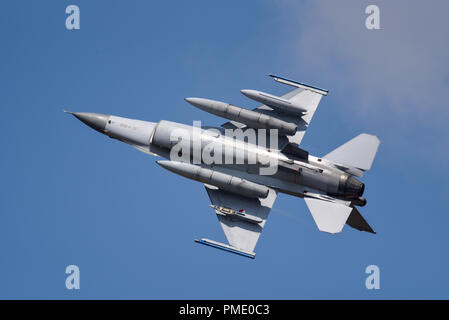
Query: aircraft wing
x=304 y=95
x=242 y=227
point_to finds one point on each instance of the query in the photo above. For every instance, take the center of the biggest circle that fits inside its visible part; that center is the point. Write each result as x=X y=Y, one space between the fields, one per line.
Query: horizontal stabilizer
x=329 y=216
x=358 y=152
x=356 y=221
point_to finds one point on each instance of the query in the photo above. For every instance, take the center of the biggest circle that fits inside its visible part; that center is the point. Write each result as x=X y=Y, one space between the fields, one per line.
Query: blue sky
x=72 y=196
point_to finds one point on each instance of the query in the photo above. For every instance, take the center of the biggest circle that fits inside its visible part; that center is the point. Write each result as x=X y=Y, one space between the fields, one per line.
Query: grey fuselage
x=293 y=175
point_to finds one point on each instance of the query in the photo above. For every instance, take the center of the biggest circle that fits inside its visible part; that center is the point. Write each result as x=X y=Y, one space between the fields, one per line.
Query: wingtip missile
x=225 y=247
x=297 y=84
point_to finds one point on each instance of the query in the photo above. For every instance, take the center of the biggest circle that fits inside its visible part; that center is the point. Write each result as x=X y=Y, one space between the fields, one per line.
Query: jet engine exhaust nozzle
x=350 y=187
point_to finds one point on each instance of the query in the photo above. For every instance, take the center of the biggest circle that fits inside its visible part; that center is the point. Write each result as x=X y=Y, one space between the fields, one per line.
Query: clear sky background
x=72 y=196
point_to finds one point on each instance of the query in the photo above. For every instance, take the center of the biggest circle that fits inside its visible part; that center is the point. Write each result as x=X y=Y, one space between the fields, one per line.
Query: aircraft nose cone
x=96 y=121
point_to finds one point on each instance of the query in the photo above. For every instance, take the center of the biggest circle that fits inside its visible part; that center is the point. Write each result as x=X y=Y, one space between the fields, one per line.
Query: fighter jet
x=243 y=168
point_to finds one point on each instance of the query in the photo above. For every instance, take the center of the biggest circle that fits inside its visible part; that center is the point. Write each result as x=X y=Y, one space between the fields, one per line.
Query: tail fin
x=358 y=153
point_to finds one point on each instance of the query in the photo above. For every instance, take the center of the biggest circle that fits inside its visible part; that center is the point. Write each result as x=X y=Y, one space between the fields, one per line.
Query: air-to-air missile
x=236 y=214
x=274 y=101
